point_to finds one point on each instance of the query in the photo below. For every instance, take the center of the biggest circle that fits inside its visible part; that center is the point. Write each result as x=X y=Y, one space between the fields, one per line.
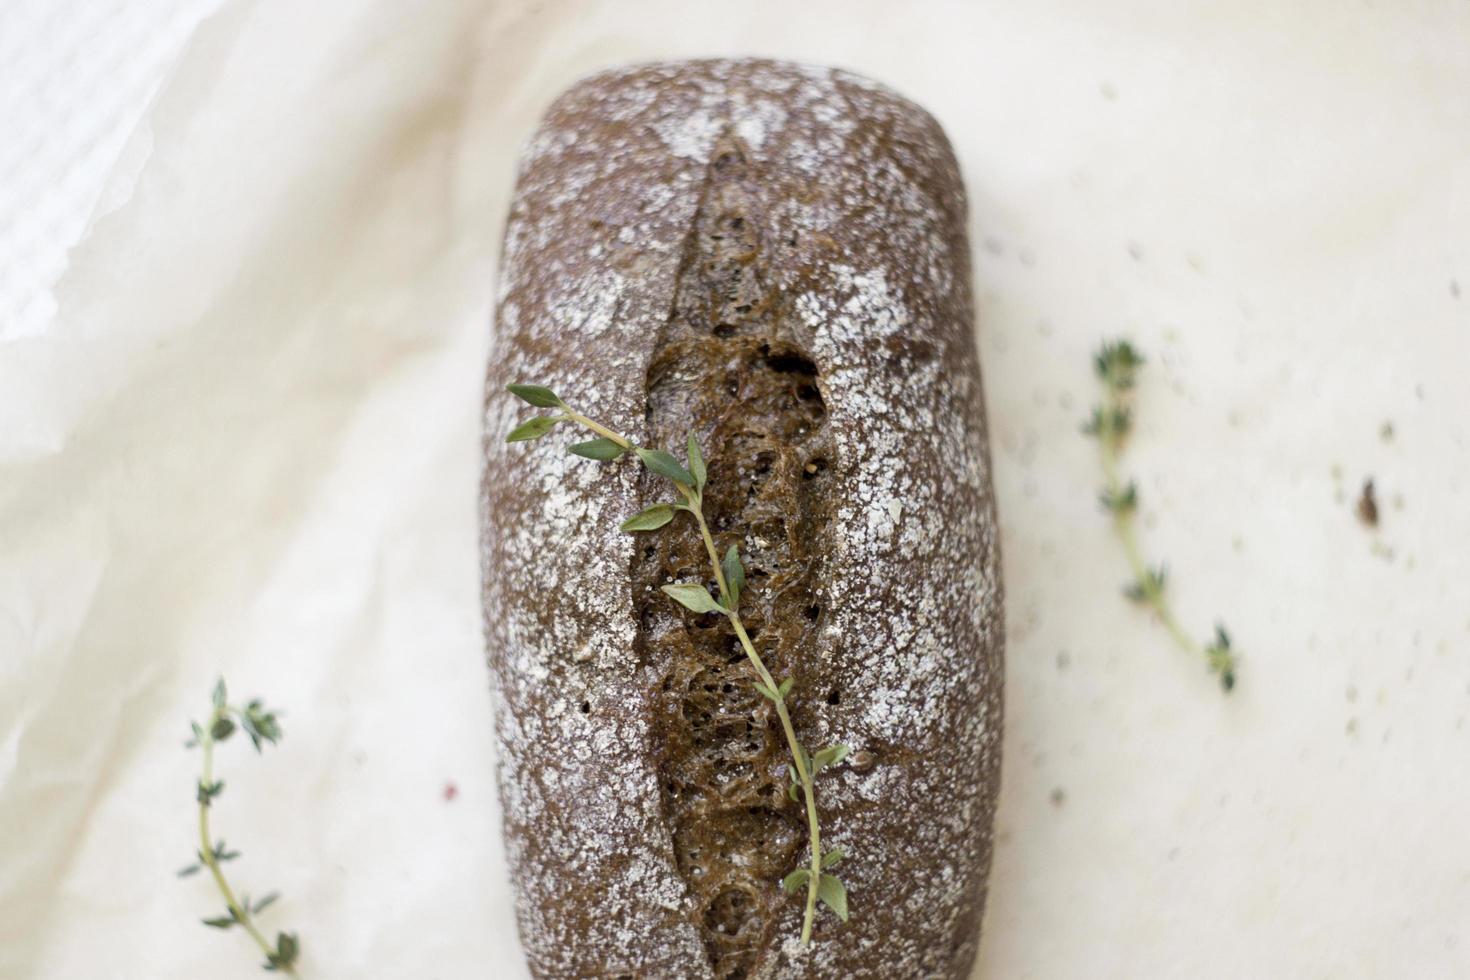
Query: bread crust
x=680 y=232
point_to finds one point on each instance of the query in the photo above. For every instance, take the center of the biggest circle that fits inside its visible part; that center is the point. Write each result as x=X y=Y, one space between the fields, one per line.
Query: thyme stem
x=793 y=744
x=206 y=847
x=601 y=430
x=1117 y=365
x=694 y=503
x=689 y=479
x=1124 y=526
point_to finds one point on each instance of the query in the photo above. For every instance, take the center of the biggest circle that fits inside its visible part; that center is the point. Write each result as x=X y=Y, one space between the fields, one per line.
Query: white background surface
x=246 y=442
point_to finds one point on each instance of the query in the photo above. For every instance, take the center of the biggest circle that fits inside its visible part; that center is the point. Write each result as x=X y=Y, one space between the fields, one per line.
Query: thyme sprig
x=689 y=479
x=1117 y=364
x=262 y=727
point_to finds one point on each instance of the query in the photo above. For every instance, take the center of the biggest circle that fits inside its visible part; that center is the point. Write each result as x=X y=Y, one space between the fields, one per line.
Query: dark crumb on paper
x=451 y=792
x=1385 y=431
x=1135 y=251
x=1108 y=91
x=1058 y=796
x=1455 y=288
x=1368 y=505
x=1064 y=660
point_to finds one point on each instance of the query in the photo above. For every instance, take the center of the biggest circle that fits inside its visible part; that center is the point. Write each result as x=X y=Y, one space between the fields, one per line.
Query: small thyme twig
x=1117 y=364
x=261 y=725
x=689 y=480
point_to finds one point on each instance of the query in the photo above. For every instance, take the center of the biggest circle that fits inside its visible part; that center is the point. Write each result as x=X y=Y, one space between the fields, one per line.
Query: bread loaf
x=775 y=257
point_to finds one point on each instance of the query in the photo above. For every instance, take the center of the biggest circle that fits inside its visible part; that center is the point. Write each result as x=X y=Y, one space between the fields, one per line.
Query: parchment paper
x=248 y=445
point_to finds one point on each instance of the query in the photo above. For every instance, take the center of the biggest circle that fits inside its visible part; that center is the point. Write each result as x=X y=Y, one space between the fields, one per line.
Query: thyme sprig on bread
x=1117 y=364
x=689 y=479
x=262 y=727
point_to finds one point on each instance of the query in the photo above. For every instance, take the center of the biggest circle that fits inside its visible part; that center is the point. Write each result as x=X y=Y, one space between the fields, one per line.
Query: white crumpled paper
x=248 y=445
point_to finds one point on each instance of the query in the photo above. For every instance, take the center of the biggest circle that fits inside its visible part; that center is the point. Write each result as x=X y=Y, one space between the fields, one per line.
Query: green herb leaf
x=694 y=597
x=1149 y=587
x=223 y=922
x=1124 y=501
x=796 y=880
x=665 y=465
x=261 y=725
x=602 y=450
x=533 y=428
x=829 y=756
x=198 y=735
x=536 y=395
x=287 y=949
x=794 y=792
x=221 y=729
x=696 y=462
x=734 y=572
x=1221 y=658
x=1117 y=364
x=832 y=857
x=192 y=869
x=833 y=893
x=649 y=519
x=264 y=903
x=206 y=792
x=218 y=696
x=777 y=694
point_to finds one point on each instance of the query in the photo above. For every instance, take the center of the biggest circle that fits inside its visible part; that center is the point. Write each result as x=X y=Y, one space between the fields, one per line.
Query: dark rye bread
x=774 y=256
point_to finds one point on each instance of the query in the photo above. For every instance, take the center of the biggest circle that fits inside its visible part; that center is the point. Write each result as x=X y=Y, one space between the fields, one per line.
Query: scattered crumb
x=1398 y=501
x=1027 y=257
x=1135 y=251
x=1368 y=505
x=1237 y=543
x=1109 y=91
x=1352 y=726
x=993 y=245
x=1195 y=262
x=1336 y=471
x=1064 y=660
x=1385 y=431
x=1455 y=288
x=451 y=792
x=1058 y=796
x=1352 y=693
